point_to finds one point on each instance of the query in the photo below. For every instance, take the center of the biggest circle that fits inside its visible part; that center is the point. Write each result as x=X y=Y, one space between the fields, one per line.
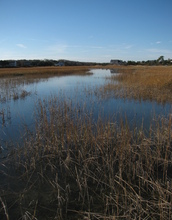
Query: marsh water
x=19 y=98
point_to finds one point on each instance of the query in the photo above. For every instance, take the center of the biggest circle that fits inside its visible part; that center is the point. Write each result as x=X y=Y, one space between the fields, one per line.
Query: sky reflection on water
x=81 y=90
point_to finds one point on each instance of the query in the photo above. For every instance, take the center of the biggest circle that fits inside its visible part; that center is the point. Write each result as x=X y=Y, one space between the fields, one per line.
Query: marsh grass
x=142 y=83
x=72 y=168
x=43 y=71
x=13 y=88
x=12 y=80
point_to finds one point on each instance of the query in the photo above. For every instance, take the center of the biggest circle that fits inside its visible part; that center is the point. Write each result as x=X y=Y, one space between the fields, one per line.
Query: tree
x=160 y=59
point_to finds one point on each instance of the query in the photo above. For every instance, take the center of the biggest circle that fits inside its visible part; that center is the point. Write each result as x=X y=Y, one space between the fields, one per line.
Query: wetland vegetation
x=43 y=71
x=83 y=157
x=142 y=83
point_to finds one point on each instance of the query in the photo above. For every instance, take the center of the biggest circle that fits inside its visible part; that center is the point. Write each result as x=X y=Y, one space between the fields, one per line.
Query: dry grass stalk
x=5 y=209
x=70 y=168
x=142 y=83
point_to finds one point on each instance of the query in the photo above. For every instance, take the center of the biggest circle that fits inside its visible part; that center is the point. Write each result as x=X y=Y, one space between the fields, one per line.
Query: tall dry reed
x=72 y=168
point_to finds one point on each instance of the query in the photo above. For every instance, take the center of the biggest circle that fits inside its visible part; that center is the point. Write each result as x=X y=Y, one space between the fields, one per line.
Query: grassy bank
x=43 y=71
x=142 y=83
x=72 y=168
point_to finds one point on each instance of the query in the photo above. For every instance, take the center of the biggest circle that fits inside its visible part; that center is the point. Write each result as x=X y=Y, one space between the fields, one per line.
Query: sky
x=86 y=30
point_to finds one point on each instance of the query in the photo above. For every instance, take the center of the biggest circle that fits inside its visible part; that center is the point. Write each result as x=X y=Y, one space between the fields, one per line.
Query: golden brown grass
x=27 y=71
x=72 y=168
x=45 y=71
x=12 y=79
x=143 y=82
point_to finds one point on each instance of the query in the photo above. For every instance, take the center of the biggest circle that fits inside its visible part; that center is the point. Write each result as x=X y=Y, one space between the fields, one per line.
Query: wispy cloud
x=85 y=46
x=95 y=47
x=128 y=47
x=63 y=48
x=155 y=43
x=21 y=46
x=57 y=48
x=155 y=50
x=121 y=47
x=38 y=40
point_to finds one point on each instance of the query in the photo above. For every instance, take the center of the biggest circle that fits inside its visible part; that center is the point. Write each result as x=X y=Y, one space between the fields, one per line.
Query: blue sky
x=85 y=30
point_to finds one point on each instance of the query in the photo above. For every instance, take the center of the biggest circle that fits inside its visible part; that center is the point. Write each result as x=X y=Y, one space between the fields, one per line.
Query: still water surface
x=82 y=91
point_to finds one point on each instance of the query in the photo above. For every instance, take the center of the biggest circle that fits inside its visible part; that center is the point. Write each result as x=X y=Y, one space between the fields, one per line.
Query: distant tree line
x=47 y=62
x=159 y=61
x=26 y=63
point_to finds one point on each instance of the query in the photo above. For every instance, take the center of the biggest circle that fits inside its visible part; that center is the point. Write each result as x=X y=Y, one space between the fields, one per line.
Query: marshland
x=86 y=142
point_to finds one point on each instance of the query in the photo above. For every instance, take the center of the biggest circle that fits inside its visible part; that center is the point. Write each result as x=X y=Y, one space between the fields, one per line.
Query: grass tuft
x=72 y=168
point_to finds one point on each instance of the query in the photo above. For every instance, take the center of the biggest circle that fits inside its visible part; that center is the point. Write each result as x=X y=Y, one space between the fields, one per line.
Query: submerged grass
x=142 y=83
x=14 y=88
x=72 y=168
